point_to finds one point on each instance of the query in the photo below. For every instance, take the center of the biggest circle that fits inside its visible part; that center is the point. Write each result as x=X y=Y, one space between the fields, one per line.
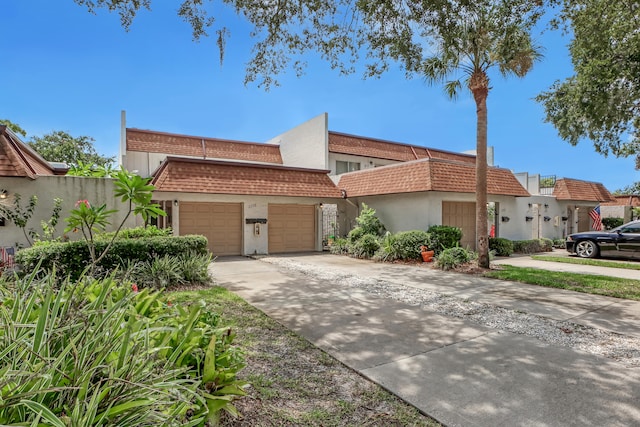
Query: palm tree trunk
x=479 y=85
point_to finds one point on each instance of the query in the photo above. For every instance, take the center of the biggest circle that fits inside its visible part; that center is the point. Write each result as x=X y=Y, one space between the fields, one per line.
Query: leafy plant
x=532 y=246
x=443 y=237
x=71 y=258
x=194 y=268
x=369 y=222
x=404 y=245
x=94 y=352
x=501 y=246
x=340 y=246
x=20 y=215
x=132 y=190
x=610 y=223
x=454 y=257
x=365 y=247
x=160 y=272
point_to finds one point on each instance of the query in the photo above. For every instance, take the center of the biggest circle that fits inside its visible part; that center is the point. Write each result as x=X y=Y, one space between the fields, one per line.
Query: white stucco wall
x=419 y=211
x=253 y=207
x=70 y=189
x=306 y=145
x=365 y=162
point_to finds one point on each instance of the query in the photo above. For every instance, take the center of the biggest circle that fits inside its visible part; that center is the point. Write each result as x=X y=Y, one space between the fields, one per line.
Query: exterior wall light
x=175 y=203
x=505 y=219
x=4 y=194
x=547 y=218
x=528 y=218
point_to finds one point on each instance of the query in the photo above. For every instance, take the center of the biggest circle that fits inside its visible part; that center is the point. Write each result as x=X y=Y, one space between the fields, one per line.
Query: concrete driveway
x=456 y=370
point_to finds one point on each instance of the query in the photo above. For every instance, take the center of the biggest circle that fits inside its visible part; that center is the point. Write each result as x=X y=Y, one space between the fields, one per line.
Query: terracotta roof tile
x=18 y=160
x=624 y=200
x=183 y=145
x=575 y=189
x=428 y=175
x=361 y=146
x=220 y=177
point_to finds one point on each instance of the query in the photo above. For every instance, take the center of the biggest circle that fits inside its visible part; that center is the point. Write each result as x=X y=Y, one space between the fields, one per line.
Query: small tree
x=133 y=190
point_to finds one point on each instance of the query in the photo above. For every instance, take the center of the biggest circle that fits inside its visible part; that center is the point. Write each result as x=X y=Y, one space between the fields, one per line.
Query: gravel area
x=622 y=348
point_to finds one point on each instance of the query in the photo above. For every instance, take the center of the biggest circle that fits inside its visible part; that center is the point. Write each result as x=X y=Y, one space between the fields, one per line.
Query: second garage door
x=292 y=228
x=220 y=223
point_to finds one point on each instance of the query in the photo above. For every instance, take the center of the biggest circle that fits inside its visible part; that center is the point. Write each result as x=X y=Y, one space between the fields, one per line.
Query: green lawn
x=583 y=261
x=587 y=283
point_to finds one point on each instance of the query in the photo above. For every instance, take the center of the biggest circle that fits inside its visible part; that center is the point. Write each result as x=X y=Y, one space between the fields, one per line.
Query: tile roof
x=575 y=189
x=428 y=175
x=370 y=147
x=195 y=146
x=624 y=200
x=17 y=159
x=221 y=177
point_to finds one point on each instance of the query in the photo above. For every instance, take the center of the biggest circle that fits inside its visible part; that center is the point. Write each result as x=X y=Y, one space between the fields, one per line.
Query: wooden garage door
x=461 y=215
x=220 y=223
x=292 y=228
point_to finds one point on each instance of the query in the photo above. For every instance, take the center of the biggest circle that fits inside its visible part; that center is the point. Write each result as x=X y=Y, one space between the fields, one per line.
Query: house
x=24 y=173
x=290 y=193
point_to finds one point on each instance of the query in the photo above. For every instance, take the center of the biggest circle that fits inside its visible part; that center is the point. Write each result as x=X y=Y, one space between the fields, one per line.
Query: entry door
x=463 y=216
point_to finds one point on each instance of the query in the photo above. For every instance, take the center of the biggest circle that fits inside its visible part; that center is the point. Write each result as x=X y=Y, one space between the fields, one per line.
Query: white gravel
x=625 y=349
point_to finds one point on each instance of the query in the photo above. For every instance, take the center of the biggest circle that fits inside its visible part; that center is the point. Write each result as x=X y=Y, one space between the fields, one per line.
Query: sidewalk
x=527 y=261
x=458 y=372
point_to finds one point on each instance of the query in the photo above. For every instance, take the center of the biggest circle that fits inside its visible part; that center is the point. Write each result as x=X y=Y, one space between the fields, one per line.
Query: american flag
x=595 y=216
x=6 y=257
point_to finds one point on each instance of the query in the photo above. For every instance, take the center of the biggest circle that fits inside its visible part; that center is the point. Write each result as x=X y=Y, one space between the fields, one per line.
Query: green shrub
x=559 y=243
x=340 y=247
x=404 y=245
x=443 y=237
x=159 y=273
x=501 y=246
x=72 y=258
x=611 y=223
x=355 y=234
x=369 y=222
x=138 y=232
x=546 y=244
x=365 y=247
x=94 y=352
x=532 y=246
x=454 y=257
x=194 y=268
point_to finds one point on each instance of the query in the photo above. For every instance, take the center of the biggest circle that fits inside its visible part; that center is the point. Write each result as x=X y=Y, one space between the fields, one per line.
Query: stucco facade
x=68 y=188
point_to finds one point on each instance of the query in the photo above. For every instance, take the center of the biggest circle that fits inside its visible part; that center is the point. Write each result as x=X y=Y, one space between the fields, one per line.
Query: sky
x=66 y=69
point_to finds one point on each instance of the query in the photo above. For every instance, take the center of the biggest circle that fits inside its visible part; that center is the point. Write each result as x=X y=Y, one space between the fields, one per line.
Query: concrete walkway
x=527 y=261
x=458 y=372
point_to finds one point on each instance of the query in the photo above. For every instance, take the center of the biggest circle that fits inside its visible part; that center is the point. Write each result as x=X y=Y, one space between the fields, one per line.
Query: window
x=344 y=167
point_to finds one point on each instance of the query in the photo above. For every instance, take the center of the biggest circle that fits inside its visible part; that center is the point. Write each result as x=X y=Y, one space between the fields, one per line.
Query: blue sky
x=66 y=69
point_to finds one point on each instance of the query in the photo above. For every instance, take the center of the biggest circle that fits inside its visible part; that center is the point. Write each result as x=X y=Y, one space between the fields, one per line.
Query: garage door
x=461 y=215
x=220 y=223
x=292 y=228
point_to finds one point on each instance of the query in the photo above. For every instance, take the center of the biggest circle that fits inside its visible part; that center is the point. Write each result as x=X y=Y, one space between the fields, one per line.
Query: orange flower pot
x=427 y=256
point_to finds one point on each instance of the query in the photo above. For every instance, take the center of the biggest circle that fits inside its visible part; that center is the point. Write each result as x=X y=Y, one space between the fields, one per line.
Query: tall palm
x=469 y=47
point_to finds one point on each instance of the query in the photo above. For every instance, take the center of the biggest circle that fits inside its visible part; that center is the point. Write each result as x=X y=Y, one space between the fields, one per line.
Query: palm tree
x=469 y=47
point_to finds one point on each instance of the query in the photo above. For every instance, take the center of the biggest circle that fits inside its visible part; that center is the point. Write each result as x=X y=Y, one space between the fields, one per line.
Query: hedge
x=71 y=258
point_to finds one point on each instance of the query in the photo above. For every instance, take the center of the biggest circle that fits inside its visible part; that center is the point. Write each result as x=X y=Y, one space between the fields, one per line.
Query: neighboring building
x=25 y=173
x=622 y=206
